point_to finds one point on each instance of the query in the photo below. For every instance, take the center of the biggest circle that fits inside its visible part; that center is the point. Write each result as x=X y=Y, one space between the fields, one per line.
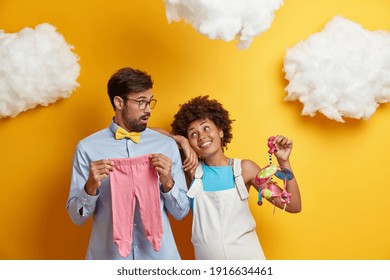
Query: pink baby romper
x=135 y=178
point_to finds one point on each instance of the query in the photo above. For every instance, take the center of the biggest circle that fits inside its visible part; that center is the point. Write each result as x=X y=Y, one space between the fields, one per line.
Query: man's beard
x=135 y=125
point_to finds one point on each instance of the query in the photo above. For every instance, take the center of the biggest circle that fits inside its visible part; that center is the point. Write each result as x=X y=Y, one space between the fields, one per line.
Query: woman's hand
x=191 y=161
x=284 y=147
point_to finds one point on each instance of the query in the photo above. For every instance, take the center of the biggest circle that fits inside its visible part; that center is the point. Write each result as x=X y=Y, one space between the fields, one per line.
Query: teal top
x=217 y=178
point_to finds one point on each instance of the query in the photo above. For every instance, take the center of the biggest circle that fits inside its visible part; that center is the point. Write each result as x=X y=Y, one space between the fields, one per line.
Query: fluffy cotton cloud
x=225 y=19
x=342 y=71
x=37 y=68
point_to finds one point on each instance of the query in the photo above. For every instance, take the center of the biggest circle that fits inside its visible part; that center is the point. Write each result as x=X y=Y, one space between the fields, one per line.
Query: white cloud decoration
x=225 y=19
x=342 y=71
x=37 y=67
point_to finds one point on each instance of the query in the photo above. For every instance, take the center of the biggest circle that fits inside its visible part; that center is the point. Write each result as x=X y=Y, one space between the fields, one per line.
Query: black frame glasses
x=142 y=104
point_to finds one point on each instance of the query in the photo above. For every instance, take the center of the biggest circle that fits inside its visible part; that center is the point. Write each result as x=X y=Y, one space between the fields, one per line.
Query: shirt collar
x=113 y=127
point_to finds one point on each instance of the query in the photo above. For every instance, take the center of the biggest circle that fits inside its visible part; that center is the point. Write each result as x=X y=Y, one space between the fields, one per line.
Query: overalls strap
x=197 y=184
x=239 y=181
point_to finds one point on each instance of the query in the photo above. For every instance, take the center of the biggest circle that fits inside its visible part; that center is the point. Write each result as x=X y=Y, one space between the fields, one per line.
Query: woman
x=223 y=226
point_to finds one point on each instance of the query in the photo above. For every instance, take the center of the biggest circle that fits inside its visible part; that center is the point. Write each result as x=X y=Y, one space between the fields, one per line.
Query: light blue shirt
x=81 y=206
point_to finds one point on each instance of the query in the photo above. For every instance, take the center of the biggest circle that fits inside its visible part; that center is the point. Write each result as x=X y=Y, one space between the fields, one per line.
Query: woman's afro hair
x=202 y=107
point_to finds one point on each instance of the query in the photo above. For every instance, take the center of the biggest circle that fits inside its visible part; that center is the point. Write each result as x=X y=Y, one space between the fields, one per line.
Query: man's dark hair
x=126 y=81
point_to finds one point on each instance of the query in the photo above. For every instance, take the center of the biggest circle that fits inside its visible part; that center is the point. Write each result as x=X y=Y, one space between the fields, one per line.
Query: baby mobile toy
x=266 y=174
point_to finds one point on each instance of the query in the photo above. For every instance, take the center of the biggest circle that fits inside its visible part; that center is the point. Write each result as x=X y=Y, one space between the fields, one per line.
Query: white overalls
x=223 y=227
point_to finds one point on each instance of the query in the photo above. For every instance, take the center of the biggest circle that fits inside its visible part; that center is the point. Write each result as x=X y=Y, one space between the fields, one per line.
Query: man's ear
x=118 y=102
x=220 y=133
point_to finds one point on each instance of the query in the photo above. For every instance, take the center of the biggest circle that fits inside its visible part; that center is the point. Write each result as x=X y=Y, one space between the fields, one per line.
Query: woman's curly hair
x=202 y=107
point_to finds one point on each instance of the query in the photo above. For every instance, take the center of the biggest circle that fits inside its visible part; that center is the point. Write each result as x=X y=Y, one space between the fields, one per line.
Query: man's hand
x=98 y=170
x=163 y=166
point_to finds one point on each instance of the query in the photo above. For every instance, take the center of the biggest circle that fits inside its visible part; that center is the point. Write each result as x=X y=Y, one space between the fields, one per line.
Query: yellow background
x=341 y=168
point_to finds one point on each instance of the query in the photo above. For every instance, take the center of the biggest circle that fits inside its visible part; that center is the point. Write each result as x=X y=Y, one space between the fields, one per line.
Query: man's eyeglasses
x=143 y=103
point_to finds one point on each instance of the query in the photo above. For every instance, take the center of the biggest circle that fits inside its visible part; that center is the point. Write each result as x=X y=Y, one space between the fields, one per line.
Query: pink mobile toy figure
x=271 y=146
x=265 y=176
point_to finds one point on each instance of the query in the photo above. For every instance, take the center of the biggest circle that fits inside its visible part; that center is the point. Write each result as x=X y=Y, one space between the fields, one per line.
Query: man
x=130 y=93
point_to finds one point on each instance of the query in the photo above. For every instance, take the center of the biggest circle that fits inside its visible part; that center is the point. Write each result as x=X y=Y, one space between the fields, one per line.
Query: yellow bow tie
x=133 y=136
